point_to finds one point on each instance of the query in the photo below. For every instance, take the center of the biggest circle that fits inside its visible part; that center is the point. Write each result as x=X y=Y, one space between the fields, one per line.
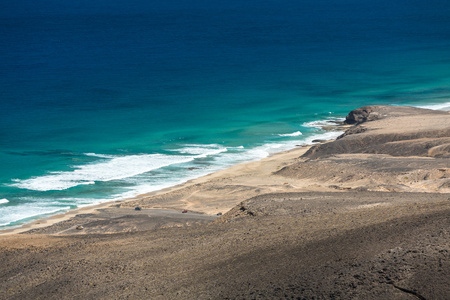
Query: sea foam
x=442 y=106
x=325 y=136
x=116 y=168
x=201 y=150
x=128 y=167
x=10 y=215
x=320 y=124
x=297 y=133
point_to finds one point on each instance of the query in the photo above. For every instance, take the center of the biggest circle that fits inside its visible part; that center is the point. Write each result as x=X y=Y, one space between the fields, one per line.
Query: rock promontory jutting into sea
x=365 y=216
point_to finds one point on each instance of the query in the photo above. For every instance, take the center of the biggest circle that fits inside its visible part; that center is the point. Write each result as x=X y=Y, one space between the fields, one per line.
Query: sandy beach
x=365 y=216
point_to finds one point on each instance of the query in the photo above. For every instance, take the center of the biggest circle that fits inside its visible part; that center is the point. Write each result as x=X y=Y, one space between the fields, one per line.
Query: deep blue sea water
x=103 y=100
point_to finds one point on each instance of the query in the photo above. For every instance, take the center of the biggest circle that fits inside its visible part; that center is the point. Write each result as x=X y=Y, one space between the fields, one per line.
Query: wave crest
x=116 y=168
x=297 y=133
x=320 y=124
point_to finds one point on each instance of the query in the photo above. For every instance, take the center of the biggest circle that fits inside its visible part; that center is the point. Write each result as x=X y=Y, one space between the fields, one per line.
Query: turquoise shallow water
x=106 y=100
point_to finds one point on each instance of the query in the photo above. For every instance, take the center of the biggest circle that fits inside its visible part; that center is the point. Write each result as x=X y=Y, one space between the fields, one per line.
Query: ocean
x=103 y=100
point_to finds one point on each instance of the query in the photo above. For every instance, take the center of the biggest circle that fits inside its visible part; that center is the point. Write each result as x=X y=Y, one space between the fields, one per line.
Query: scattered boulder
x=361 y=115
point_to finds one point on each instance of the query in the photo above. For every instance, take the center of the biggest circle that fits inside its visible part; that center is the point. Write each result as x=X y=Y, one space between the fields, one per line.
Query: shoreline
x=363 y=216
x=93 y=209
x=326 y=126
x=51 y=219
x=180 y=197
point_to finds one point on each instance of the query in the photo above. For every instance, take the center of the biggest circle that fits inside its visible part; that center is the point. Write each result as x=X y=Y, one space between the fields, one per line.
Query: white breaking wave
x=201 y=150
x=3 y=201
x=99 y=155
x=116 y=168
x=297 y=133
x=131 y=169
x=442 y=106
x=329 y=135
x=323 y=123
